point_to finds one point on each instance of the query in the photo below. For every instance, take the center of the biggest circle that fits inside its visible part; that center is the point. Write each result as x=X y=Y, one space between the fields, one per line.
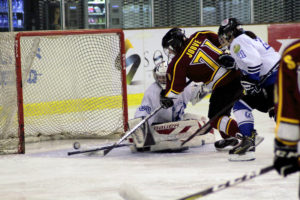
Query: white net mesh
x=8 y=94
x=72 y=87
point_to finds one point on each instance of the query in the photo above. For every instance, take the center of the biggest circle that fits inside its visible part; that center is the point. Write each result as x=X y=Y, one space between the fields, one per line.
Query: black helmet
x=174 y=40
x=230 y=27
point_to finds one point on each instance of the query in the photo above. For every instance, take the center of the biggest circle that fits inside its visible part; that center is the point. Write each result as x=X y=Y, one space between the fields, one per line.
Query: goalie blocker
x=167 y=137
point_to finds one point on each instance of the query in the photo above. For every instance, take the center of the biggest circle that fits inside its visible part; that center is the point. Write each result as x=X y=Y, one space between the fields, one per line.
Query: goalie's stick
x=106 y=151
x=96 y=149
x=227 y=184
x=206 y=127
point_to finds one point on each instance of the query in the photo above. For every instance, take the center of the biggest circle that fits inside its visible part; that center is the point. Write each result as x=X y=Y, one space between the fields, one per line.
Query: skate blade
x=248 y=156
x=258 y=140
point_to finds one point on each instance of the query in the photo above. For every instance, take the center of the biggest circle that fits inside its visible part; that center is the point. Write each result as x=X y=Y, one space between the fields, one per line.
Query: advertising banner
x=281 y=35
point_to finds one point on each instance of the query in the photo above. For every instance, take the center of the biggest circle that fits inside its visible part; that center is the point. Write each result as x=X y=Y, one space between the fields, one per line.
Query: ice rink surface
x=46 y=172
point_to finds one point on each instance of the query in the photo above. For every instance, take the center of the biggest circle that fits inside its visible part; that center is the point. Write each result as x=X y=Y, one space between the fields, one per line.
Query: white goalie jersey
x=151 y=101
x=169 y=127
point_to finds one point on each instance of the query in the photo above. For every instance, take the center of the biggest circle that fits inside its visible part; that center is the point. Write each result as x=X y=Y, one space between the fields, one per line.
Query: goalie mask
x=173 y=42
x=159 y=74
x=229 y=29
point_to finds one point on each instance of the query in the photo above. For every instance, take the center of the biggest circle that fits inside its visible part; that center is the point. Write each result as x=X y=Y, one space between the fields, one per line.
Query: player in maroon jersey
x=288 y=111
x=200 y=59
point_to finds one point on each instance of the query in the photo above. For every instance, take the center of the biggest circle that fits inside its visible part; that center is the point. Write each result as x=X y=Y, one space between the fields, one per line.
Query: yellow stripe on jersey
x=279 y=110
x=286 y=142
x=290 y=120
x=291 y=48
x=222 y=77
x=219 y=122
x=228 y=123
x=175 y=92
x=212 y=47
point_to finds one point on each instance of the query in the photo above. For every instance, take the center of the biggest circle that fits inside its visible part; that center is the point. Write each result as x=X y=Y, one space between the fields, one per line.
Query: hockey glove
x=286 y=159
x=250 y=86
x=226 y=61
x=165 y=102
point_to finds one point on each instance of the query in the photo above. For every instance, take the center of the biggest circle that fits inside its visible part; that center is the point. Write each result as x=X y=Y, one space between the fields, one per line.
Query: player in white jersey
x=258 y=63
x=166 y=129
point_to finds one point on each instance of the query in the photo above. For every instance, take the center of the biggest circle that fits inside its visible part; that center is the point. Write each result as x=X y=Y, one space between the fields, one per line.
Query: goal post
x=61 y=85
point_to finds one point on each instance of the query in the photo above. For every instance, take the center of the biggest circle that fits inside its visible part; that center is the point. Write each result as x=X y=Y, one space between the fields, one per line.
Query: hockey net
x=61 y=85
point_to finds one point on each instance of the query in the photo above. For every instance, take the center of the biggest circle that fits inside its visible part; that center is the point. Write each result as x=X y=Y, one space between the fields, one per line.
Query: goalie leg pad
x=168 y=136
x=138 y=136
x=173 y=133
x=141 y=138
x=201 y=119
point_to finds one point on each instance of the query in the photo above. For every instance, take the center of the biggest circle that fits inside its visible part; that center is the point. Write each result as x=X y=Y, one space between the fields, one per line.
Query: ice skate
x=258 y=139
x=245 y=151
x=226 y=144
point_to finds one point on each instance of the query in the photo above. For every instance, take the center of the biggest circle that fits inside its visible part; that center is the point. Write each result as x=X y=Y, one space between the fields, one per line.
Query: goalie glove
x=199 y=91
x=226 y=61
x=286 y=158
x=250 y=86
x=165 y=102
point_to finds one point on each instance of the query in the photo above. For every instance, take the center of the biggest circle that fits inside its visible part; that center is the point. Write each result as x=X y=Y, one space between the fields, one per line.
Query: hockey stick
x=106 y=151
x=227 y=184
x=96 y=149
x=206 y=127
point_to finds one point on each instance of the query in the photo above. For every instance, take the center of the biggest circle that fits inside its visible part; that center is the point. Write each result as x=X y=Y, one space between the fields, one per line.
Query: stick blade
x=106 y=151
